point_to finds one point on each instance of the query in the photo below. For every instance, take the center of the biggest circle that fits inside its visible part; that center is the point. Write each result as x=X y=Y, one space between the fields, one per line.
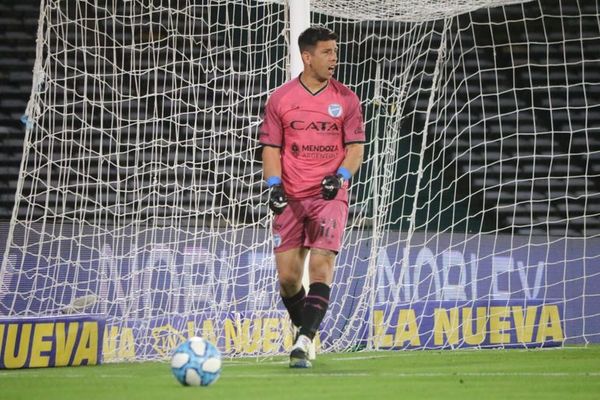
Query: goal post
x=473 y=220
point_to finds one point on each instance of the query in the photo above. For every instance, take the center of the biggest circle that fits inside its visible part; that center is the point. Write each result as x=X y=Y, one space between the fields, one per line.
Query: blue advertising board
x=34 y=342
x=156 y=286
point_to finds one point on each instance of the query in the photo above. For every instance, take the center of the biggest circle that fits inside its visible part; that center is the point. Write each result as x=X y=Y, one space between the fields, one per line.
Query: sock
x=295 y=305
x=315 y=307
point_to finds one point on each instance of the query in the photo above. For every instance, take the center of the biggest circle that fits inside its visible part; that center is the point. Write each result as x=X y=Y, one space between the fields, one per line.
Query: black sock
x=315 y=307
x=295 y=305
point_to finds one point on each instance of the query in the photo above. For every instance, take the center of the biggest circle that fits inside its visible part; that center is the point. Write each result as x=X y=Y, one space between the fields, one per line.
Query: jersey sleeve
x=354 y=128
x=271 y=130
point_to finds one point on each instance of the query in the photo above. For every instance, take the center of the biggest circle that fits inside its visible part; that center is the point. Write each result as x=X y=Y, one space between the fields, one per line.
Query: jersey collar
x=308 y=90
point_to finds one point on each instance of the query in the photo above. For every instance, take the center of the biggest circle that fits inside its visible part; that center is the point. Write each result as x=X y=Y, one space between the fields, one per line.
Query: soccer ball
x=196 y=362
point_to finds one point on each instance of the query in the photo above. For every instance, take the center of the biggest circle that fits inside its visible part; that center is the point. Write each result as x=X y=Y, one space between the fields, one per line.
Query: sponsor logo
x=317 y=126
x=467 y=324
x=295 y=150
x=40 y=342
x=320 y=148
x=315 y=151
x=335 y=110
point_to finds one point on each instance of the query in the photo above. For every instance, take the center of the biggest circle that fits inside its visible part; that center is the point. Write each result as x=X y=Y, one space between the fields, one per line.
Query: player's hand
x=330 y=186
x=277 y=199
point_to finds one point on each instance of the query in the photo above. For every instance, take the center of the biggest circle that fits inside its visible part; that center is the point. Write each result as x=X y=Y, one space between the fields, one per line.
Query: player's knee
x=290 y=283
x=322 y=259
x=321 y=276
x=321 y=265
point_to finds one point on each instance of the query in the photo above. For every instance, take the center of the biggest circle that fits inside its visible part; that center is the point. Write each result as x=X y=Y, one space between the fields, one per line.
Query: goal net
x=475 y=219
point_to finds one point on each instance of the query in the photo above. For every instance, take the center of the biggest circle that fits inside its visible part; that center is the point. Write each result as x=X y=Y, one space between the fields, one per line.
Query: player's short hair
x=309 y=38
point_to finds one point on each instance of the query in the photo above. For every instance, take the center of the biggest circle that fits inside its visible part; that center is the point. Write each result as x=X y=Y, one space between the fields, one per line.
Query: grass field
x=567 y=373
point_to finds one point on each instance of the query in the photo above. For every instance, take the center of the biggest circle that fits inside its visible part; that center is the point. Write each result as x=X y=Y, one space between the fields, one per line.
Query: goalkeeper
x=313 y=142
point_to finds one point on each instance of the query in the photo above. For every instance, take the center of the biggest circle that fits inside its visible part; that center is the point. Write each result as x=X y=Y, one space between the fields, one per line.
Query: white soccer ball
x=196 y=362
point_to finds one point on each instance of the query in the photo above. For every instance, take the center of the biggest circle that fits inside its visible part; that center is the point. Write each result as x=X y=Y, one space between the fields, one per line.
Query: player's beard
x=327 y=74
x=321 y=74
x=331 y=72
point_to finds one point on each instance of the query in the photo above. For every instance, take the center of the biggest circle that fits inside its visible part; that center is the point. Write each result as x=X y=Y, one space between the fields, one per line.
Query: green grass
x=567 y=373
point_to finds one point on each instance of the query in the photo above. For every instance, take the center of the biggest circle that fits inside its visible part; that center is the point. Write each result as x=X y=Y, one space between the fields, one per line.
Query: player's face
x=323 y=59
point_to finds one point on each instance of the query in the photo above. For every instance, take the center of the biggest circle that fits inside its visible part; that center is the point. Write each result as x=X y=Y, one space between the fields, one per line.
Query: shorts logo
x=276 y=240
x=335 y=110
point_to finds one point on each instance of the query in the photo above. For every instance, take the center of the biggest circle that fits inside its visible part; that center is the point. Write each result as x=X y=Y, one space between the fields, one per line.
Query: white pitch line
x=303 y=373
x=342 y=356
x=405 y=353
x=316 y=373
x=353 y=358
x=418 y=374
x=285 y=361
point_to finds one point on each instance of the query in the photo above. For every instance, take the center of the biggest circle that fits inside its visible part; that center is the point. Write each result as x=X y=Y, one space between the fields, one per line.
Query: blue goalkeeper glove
x=330 y=186
x=277 y=197
x=332 y=183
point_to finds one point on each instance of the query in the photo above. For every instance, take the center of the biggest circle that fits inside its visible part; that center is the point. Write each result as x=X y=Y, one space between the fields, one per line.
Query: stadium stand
x=542 y=161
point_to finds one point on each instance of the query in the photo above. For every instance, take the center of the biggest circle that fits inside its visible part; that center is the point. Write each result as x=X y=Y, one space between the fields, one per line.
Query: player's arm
x=271 y=156
x=332 y=183
x=354 y=138
x=354 y=157
x=271 y=135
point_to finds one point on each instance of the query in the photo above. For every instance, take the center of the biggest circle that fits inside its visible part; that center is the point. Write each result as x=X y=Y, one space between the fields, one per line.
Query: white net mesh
x=140 y=196
x=404 y=11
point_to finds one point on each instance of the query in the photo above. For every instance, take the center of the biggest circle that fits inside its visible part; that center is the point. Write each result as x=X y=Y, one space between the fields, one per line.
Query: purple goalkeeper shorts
x=312 y=222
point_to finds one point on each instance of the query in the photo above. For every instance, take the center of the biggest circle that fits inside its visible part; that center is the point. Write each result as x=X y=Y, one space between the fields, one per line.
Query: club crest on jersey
x=276 y=240
x=335 y=110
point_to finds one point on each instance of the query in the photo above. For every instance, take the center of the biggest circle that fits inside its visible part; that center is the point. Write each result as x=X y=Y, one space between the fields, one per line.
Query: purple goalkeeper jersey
x=312 y=130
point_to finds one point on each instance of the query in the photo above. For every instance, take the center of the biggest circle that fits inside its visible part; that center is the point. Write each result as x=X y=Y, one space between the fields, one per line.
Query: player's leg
x=321 y=264
x=325 y=229
x=288 y=242
x=324 y=237
x=290 y=267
